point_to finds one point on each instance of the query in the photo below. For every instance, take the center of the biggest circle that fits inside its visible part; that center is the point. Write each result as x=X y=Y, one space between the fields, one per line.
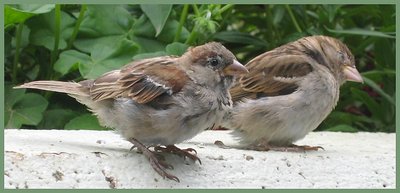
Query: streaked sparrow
x=288 y=92
x=159 y=102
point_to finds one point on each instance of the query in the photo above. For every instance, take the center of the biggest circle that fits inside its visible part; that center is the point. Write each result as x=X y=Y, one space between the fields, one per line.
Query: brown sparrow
x=159 y=102
x=288 y=92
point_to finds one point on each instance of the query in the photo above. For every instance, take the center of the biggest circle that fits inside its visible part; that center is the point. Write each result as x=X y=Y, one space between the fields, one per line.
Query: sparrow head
x=336 y=56
x=213 y=59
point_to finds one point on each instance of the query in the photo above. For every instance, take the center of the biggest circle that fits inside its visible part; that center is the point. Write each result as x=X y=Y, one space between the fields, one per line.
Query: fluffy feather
x=289 y=91
x=159 y=101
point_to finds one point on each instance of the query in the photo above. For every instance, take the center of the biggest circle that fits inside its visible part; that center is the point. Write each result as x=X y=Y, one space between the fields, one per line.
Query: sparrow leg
x=158 y=165
x=181 y=152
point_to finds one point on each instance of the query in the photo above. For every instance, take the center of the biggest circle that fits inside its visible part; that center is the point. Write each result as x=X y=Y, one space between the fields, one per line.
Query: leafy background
x=75 y=42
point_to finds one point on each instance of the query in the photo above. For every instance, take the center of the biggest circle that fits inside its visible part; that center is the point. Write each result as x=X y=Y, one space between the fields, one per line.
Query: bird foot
x=186 y=153
x=289 y=148
x=157 y=162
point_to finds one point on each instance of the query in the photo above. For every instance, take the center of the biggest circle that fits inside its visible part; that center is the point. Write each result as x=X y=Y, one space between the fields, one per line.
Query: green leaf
x=105 y=20
x=35 y=8
x=373 y=73
x=343 y=128
x=384 y=51
x=106 y=57
x=106 y=53
x=239 y=38
x=24 y=37
x=20 y=13
x=43 y=30
x=176 y=48
x=21 y=108
x=33 y=73
x=143 y=27
x=149 y=55
x=12 y=95
x=70 y=59
x=14 y=16
x=88 y=44
x=293 y=37
x=278 y=14
x=104 y=34
x=371 y=104
x=86 y=121
x=167 y=35
x=158 y=14
x=378 y=89
x=345 y=118
x=149 y=45
x=7 y=45
x=56 y=118
x=363 y=32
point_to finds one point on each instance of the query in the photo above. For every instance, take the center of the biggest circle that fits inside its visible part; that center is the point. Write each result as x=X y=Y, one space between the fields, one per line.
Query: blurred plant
x=75 y=42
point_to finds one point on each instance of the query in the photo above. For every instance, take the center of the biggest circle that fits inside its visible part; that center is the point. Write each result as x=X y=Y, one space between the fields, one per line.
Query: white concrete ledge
x=101 y=159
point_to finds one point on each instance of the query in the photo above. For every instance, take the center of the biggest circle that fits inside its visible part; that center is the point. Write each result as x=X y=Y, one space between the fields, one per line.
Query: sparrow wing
x=273 y=73
x=142 y=81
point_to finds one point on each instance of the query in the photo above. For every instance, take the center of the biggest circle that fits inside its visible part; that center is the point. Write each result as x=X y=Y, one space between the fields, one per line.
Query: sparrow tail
x=72 y=88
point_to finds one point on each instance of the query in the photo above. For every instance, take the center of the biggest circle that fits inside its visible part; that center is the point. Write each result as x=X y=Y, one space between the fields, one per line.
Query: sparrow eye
x=213 y=62
x=341 y=55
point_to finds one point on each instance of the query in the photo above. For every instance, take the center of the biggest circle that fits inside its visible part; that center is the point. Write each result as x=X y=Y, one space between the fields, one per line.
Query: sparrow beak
x=352 y=74
x=236 y=68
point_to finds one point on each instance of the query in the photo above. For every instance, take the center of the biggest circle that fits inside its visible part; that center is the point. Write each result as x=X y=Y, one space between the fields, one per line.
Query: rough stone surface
x=101 y=159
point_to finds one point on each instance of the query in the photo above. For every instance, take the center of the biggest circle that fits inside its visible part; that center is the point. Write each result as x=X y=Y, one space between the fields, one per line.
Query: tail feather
x=72 y=88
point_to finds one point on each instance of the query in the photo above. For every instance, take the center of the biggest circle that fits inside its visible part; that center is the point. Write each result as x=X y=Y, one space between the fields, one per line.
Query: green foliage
x=23 y=108
x=20 y=13
x=157 y=14
x=75 y=42
x=85 y=121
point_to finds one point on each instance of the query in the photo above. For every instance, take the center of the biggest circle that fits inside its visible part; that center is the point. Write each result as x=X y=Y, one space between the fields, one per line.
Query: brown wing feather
x=272 y=73
x=142 y=81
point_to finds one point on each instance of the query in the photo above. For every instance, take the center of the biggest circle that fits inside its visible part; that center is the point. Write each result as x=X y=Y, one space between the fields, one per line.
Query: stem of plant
x=193 y=33
x=270 y=33
x=192 y=36
x=54 y=52
x=196 y=10
x=225 y=7
x=181 y=22
x=293 y=18
x=18 y=38
x=76 y=28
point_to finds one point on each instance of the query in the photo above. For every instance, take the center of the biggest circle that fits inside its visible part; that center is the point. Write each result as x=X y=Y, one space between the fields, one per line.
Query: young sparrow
x=288 y=92
x=159 y=102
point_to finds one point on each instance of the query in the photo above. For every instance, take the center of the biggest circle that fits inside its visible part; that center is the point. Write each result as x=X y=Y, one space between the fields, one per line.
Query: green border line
x=397 y=92
x=203 y=2
x=2 y=90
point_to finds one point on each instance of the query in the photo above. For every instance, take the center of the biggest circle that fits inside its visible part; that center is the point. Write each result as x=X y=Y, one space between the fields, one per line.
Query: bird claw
x=132 y=148
x=190 y=150
x=185 y=153
x=192 y=157
x=156 y=161
x=160 y=166
x=159 y=156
